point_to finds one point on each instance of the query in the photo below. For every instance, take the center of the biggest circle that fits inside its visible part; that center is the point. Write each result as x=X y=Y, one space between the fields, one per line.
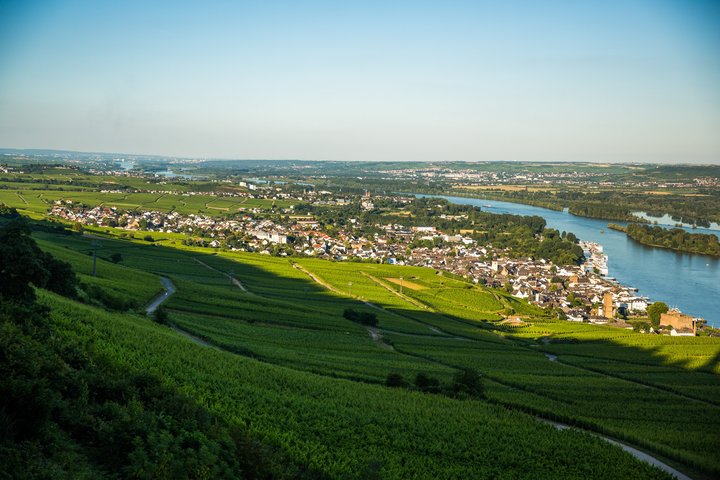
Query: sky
x=600 y=81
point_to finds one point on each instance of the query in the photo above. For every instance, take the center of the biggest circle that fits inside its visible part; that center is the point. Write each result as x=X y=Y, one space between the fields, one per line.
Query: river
x=687 y=281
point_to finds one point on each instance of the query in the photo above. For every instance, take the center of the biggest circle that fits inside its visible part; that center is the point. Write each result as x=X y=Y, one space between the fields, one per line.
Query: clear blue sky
x=627 y=80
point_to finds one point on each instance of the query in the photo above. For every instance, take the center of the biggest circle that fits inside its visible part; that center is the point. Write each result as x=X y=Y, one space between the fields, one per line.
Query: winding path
x=376 y=335
x=411 y=301
x=234 y=280
x=169 y=290
x=640 y=455
x=323 y=283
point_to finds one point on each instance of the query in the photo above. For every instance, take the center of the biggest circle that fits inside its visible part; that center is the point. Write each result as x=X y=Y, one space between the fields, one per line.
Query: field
x=36 y=201
x=349 y=429
x=286 y=351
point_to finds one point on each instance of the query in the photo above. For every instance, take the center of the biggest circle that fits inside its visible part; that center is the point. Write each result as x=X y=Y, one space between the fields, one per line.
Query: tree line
x=675 y=238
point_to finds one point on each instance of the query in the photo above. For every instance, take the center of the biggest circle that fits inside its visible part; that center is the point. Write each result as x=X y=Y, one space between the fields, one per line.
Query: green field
x=658 y=393
x=32 y=200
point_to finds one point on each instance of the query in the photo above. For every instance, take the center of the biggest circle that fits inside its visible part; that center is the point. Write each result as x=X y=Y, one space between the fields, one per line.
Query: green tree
x=21 y=263
x=160 y=315
x=655 y=310
x=467 y=382
x=426 y=383
x=395 y=380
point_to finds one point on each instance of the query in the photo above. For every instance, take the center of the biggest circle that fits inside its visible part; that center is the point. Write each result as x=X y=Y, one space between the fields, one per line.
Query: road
x=234 y=280
x=376 y=335
x=631 y=450
x=169 y=290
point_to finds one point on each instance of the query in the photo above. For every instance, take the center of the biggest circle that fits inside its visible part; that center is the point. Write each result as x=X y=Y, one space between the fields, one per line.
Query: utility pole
x=349 y=285
x=401 y=280
x=95 y=245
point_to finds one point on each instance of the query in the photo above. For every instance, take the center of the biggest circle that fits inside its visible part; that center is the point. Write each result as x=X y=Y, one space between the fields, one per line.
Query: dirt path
x=377 y=336
x=234 y=280
x=322 y=282
x=193 y=338
x=660 y=388
x=169 y=290
x=369 y=304
x=640 y=455
x=411 y=301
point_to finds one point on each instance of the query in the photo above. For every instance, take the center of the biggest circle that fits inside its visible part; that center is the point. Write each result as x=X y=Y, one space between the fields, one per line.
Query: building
x=679 y=322
x=608 y=310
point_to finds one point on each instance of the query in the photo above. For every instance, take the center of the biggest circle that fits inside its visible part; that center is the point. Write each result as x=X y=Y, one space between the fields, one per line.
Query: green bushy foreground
x=326 y=426
x=292 y=389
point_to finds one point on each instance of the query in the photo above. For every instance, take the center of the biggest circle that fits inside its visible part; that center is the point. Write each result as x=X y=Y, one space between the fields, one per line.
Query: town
x=577 y=293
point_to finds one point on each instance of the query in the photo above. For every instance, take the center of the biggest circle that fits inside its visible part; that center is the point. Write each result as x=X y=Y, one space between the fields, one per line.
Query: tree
x=21 y=263
x=160 y=315
x=467 y=381
x=62 y=279
x=363 y=318
x=395 y=380
x=116 y=258
x=655 y=310
x=425 y=383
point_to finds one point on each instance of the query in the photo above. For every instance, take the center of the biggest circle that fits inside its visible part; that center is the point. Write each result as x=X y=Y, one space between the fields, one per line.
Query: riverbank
x=683 y=280
x=697 y=243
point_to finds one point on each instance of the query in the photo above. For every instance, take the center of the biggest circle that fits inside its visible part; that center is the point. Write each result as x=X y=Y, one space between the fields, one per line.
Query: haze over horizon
x=474 y=81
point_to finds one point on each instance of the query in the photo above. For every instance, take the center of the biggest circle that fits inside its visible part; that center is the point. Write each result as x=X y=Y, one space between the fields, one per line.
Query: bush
x=468 y=382
x=395 y=380
x=160 y=316
x=426 y=383
x=148 y=238
x=364 y=318
x=97 y=295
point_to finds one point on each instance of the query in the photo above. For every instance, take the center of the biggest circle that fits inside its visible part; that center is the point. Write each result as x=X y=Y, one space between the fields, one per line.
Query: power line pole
x=95 y=245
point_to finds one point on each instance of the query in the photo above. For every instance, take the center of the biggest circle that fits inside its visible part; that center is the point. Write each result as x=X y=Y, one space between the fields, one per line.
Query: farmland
x=39 y=201
x=283 y=352
x=288 y=318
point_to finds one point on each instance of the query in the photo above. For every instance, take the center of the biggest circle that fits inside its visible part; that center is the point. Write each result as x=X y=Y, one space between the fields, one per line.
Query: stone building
x=679 y=321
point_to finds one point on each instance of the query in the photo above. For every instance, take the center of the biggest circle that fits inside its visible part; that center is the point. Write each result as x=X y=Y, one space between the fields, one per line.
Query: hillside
x=272 y=356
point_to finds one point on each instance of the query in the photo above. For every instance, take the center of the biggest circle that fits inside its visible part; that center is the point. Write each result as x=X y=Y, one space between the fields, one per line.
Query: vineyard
x=303 y=378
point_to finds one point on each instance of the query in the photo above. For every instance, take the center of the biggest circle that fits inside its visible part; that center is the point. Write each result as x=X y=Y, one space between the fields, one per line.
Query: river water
x=687 y=281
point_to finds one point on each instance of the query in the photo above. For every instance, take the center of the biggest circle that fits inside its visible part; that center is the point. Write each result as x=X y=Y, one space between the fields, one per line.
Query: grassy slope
x=344 y=427
x=289 y=320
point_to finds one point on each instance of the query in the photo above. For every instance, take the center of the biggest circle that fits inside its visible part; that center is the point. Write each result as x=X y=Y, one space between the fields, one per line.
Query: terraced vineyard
x=298 y=374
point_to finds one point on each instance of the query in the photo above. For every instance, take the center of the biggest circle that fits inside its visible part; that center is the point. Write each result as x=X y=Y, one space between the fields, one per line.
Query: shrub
x=395 y=380
x=468 y=382
x=364 y=318
x=426 y=383
x=160 y=316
